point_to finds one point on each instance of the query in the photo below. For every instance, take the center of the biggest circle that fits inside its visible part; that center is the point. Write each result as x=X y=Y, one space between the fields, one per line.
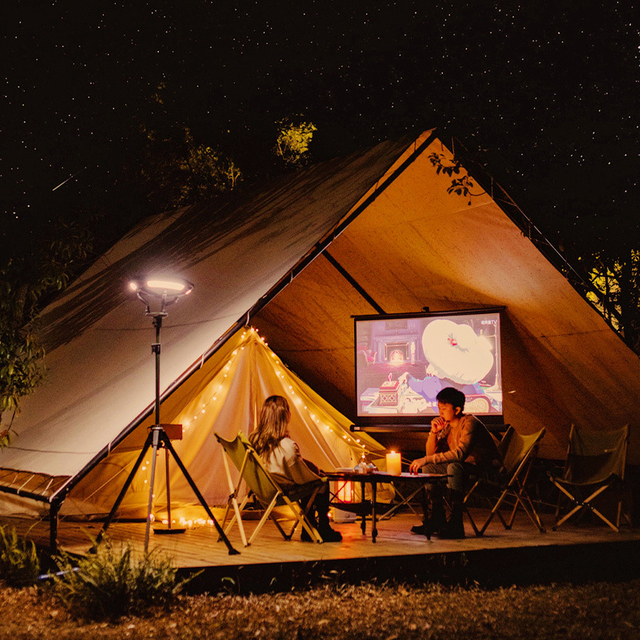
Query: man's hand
x=438 y=424
x=416 y=465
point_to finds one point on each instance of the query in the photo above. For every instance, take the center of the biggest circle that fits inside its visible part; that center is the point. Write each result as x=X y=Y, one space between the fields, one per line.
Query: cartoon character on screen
x=457 y=357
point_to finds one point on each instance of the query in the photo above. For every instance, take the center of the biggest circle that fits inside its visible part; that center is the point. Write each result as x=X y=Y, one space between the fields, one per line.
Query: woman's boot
x=324 y=529
x=321 y=508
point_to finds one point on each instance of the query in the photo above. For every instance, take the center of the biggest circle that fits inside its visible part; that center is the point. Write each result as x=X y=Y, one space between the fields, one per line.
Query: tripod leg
x=168 y=487
x=155 y=440
x=124 y=489
x=192 y=484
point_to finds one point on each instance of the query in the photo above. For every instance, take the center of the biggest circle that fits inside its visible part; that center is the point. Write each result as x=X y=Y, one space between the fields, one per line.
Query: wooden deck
x=500 y=556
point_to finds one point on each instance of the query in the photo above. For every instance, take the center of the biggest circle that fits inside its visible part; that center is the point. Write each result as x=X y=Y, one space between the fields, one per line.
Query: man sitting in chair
x=460 y=446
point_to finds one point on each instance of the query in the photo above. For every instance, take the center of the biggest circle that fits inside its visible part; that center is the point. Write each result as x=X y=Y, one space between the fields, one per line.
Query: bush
x=112 y=583
x=19 y=563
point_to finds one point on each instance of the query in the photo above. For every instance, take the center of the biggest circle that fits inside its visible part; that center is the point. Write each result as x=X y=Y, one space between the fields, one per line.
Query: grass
x=19 y=562
x=599 y=610
x=112 y=582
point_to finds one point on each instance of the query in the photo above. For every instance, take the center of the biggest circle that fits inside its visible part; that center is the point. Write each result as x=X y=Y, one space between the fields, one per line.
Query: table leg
x=363 y=502
x=426 y=521
x=374 y=529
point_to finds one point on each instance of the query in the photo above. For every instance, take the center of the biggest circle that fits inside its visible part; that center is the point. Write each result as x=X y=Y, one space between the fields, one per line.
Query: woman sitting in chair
x=282 y=459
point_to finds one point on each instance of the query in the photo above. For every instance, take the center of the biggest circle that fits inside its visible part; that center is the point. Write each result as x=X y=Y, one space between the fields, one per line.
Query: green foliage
x=113 y=583
x=294 y=139
x=19 y=563
x=206 y=172
x=177 y=171
x=25 y=285
x=460 y=186
x=616 y=280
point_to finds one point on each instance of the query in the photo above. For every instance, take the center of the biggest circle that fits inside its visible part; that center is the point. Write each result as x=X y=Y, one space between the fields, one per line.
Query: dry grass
x=597 y=610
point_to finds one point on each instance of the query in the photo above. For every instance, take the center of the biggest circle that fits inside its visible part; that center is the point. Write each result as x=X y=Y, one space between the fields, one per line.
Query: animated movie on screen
x=403 y=362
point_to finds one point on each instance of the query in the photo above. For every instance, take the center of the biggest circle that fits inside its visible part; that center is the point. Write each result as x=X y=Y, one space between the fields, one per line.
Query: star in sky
x=548 y=99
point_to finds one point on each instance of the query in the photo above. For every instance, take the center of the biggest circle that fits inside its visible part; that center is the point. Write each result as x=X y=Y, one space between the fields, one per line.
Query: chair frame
x=280 y=498
x=599 y=488
x=515 y=487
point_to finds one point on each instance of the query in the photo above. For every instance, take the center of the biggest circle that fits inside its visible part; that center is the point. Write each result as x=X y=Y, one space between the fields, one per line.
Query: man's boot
x=436 y=521
x=454 y=529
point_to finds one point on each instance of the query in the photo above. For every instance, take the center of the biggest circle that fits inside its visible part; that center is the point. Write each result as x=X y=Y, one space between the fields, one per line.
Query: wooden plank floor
x=198 y=547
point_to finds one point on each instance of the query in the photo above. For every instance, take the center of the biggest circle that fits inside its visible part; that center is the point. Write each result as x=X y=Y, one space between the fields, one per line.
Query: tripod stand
x=156 y=439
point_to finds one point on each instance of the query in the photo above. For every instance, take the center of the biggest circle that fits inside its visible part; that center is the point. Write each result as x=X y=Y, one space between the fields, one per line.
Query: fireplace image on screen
x=397 y=351
x=402 y=362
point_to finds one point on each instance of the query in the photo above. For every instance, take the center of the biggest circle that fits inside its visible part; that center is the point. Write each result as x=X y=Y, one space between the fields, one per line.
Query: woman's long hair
x=273 y=425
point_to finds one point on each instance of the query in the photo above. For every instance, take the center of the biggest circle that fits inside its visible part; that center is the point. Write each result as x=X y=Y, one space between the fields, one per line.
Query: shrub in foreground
x=19 y=563
x=112 y=582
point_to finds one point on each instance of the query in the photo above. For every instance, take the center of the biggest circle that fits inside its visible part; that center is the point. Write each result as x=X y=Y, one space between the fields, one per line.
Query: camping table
x=421 y=480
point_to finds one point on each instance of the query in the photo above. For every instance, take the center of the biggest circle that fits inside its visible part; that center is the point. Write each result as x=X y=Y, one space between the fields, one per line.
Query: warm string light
x=282 y=373
x=328 y=425
x=189 y=524
x=219 y=388
x=336 y=430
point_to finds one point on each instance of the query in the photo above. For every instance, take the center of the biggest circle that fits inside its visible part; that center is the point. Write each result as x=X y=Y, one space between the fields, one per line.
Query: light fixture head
x=161 y=286
x=165 y=289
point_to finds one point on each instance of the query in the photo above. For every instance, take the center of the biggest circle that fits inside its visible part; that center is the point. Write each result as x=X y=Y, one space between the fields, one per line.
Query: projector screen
x=403 y=361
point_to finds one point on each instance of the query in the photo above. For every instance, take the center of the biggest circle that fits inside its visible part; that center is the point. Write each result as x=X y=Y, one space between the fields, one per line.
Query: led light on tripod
x=166 y=285
x=159 y=287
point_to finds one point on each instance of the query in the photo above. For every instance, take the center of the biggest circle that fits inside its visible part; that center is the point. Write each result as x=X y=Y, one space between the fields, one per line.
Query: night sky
x=547 y=98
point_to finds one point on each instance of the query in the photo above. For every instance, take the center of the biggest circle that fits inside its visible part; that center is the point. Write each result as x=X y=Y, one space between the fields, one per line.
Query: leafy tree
x=206 y=170
x=178 y=171
x=293 y=140
x=26 y=283
x=174 y=169
x=616 y=281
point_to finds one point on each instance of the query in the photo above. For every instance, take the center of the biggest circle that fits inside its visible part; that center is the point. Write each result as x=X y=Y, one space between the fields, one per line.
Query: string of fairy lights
x=284 y=375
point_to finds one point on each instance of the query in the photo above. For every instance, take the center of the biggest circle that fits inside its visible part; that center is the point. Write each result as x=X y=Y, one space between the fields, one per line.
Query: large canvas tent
x=376 y=231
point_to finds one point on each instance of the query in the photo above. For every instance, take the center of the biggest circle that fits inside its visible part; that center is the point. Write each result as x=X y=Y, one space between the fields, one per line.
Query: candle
x=394 y=463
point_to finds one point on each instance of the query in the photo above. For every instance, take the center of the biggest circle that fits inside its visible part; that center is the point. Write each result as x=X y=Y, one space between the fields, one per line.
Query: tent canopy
x=100 y=374
x=299 y=260
x=418 y=246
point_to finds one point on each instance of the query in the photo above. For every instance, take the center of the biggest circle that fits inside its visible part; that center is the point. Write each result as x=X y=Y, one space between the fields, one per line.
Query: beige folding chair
x=596 y=462
x=266 y=491
x=518 y=453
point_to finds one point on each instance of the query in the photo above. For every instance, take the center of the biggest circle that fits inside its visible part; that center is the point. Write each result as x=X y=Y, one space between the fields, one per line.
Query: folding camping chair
x=595 y=463
x=518 y=454
x=266 y=491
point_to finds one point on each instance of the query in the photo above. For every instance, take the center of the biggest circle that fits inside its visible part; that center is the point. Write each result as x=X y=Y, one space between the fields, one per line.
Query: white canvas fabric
x=100 y=372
